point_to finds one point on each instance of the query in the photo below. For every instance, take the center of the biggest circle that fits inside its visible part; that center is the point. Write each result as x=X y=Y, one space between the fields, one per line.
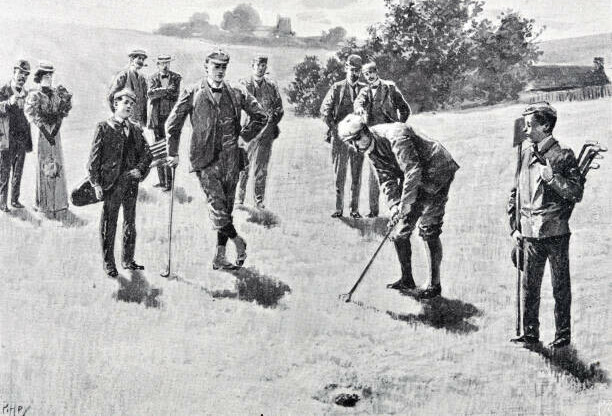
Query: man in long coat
x=259 y=149
x=415 y=175
x=214 y=107
x=132 y=79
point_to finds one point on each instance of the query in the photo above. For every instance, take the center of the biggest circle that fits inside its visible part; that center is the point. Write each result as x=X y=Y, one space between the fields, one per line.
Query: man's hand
x=395 y=216
x=13 y=99
x=99 y=192
x=135 y=174
x=172 y=161
x=517 y=236
x=546 y=172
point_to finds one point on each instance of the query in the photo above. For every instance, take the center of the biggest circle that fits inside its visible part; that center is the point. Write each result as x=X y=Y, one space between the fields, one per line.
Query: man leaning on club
x=415 y=174
x=549 y=184
x=214 y=107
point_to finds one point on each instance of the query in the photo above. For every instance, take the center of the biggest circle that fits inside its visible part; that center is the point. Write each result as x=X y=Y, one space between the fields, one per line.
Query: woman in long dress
x=45 y=109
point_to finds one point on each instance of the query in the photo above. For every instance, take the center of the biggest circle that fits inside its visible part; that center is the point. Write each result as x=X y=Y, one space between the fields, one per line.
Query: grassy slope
x=577 y=51
x=68 y=347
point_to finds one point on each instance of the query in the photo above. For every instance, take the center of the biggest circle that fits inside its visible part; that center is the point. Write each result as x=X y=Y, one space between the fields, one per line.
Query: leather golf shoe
x=559 y=343
x=372 y=215
x=403 y=285
x=525 y=339
x=4 y=208
x=241 y=254
x=337 y=214
x=220 y=262
x=158 y=185
x=431 y=292
x=355 y=215
x=132 y=265
x=17 y=204
x=111 y=272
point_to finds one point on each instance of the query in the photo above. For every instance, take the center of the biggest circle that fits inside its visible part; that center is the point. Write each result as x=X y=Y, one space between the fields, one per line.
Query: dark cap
x=218 y=56
x=23 y=65
x=138 y=52
x=541 y=107
x=260 y=59
x=355 y=61
x=125 y=92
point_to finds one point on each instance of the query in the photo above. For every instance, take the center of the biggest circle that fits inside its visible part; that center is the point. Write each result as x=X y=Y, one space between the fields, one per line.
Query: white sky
x=563 y=18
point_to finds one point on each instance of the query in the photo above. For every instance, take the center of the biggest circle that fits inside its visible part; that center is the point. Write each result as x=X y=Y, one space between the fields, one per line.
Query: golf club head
x=345 y=297
x=594 y=165
x=165 y=273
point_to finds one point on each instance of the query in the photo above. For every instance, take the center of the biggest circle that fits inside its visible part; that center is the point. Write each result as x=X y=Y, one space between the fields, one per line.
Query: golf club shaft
x=170 y=220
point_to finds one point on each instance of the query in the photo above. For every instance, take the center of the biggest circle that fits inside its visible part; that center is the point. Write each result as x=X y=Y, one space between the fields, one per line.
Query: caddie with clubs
x=119 y=160
x=415 y=175
x=214 y=107
x=549 y=185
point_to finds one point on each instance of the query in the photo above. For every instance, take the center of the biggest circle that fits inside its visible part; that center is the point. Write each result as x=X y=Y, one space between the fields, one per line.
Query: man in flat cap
x=132 y=79
x=214 y=107
x=163 y=92
x=549 y=185
x=119 y=159
x=337 y=104
x=415 y=174
x=15 y=136
x=380 y=102
x=259 y=149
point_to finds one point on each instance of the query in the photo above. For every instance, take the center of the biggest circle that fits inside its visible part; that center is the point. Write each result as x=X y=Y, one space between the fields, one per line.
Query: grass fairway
x=273 y=339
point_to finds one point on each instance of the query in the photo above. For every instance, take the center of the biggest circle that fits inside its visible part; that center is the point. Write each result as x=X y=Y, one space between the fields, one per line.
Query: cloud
x=326 y=4
x=314 y=17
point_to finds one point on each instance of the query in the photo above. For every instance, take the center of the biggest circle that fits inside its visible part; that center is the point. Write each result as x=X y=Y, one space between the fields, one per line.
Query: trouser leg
x=339 y=160
x=403 y=249
x=356 y=161
x=559 y=270
x=5 y=173
x=160 y=135
x=260 y=168
x=535 y=260
x=434 y=256
x=129 y=222
x=18 y=159
x=374 y=193
x=108 y=225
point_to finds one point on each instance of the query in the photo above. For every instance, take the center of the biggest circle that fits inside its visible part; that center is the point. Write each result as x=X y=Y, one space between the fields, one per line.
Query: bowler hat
x=138 y=52
x=350 y=126
x=355 y=61
x=22 y=65
x=542 y=107
x=164 y=59
x=260 y=59
x=218 y=56
x=125 y=92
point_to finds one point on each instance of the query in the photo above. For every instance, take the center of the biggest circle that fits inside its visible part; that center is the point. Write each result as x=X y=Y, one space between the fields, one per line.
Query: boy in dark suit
x=119 y=159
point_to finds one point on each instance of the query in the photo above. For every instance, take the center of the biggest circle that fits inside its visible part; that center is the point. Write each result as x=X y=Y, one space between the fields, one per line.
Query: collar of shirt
x=544 y=142
x=258 y=80
x=375 y=84
x=14 y=88
x=120 y=124
x=213 y=84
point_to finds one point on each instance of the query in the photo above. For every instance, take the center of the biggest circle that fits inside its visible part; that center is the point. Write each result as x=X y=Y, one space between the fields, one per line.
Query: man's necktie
x=216 y=90
x=165 y=76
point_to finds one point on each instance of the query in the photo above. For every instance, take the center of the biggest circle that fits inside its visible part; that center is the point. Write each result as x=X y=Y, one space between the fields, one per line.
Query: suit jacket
x=197 y=101
x=338 y=103
x=136 y=82
x=545 y=210
x=9 y=115
x=407 y=163
x=106 y=156
x=387 y=105
x=161 y=100
x=268 y=96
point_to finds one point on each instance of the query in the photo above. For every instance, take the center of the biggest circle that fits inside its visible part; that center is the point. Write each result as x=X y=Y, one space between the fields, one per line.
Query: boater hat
x=162 y=59
x=44 y=68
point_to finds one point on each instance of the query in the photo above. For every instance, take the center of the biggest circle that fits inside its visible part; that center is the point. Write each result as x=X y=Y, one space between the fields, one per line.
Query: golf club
x=166 y=273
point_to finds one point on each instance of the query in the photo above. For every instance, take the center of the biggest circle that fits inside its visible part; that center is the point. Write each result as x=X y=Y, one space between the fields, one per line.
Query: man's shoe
x=132 y=265
x=372 y=215
x=220 y=262
x=337 y=214
x=402 y=285
x=525 y=339
x=4 y=208
x=241 y=254
x=559 y=343
x=166 y=188
x=112 y=272
x=17 y=204
x=431 y=292
x=158 y=185
x=356 y=215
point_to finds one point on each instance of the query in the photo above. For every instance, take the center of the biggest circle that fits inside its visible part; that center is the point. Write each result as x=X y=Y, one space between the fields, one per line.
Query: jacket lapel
x=208 y=92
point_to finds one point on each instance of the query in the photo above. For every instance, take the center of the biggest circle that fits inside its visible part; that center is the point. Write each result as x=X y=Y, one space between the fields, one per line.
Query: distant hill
x=578 y=51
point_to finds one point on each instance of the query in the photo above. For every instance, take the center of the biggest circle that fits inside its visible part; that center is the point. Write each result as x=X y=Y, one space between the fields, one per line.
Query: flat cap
x=138 y=52
x=23 y=65
x=350 y=126
x=260 y=59
x=125 y=92
x=164 y=59
x=218 y=56
x=542 y=107
x=354 y=61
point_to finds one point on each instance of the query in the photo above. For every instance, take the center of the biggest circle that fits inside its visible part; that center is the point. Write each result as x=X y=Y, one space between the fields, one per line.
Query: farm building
x=282 y=29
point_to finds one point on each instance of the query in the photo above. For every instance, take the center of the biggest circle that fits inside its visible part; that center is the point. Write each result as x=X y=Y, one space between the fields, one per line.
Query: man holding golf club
x=214 y=107
x=415 y=174
x=549 y=184
x=119 y=159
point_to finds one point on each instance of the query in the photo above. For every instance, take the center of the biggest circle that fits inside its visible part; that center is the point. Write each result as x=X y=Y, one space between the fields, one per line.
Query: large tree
x=243 y=19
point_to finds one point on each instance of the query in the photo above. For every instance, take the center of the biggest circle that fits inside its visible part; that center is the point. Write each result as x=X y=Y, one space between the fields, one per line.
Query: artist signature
x=13 y=409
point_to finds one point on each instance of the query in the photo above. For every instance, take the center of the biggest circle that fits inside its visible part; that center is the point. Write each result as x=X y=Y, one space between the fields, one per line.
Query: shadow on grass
x=368 y=227
x=69 y=219
x=566 y=361
x=260 y=216
x=137 y=290
x=252 y=286
x=443 y=313
x=25 y=215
